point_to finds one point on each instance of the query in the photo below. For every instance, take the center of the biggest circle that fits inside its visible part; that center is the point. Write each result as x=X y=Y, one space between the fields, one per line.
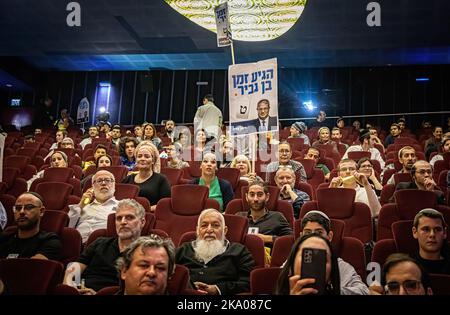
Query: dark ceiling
x=143 y=34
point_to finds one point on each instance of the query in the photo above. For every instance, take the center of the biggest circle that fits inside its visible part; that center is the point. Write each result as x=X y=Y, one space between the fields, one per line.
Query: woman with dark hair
x=290 y=281
x=365 y=166
x=183 y=140
x=201 y=144
x=219 y=189
x=150 y=134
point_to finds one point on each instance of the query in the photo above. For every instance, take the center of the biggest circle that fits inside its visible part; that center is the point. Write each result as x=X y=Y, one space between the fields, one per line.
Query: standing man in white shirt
x=209 y=117
x=96 y=204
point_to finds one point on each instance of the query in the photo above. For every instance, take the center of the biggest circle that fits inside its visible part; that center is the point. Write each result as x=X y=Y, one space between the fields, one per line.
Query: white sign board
x=223 y=25
x=253 y=97
x=83 y=111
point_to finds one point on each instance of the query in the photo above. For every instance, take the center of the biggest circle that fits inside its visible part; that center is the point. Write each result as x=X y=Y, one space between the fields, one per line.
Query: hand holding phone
x=314 y=263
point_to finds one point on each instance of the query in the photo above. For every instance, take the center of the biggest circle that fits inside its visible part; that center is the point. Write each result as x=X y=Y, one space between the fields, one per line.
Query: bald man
x=29 y=241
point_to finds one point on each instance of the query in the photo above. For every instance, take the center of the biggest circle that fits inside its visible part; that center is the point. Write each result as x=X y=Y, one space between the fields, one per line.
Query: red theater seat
x=408 y=203
x=338 y=203
x=179 y=213
x=24 y=276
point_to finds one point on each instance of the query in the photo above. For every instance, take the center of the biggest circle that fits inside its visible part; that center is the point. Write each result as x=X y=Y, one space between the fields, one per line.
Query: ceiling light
x=251 y=20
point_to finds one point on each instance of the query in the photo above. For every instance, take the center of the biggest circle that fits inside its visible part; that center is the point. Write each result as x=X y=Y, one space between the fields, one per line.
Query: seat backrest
x=296 y=143
x=31 y=152
x=237 y=228
x=229 y=174
x=327 y=201
x=179 y=213
x=124 y=191
x=17 y=161
x=411 y=201
x=30 y=276
x=179 y=280
x=54 y=221
x=402 y=177
x=58 y=174
x=9 y=175
x=281 y=249
x=357 y=155
x=119 y=171
x=386 y=193
x=173 y=175
x=308 y=165
x=356 y=215
x=387 y=175
x=55 y=194
x=404 y=240
x=71 y=245
x=264 y=280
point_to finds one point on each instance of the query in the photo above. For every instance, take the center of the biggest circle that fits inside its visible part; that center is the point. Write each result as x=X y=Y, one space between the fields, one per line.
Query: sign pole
x=232 y=52
x=254 y=148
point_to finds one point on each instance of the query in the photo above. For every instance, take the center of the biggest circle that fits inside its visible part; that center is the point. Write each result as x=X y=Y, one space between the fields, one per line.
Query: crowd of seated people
x=366 y=163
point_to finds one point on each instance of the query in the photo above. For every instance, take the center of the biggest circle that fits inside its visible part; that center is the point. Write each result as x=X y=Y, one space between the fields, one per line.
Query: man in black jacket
x=266 y=224
x=216 y=266
x=29 y=241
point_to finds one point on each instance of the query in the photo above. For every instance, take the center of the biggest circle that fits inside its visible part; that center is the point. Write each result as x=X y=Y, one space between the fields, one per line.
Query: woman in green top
x=219 y=189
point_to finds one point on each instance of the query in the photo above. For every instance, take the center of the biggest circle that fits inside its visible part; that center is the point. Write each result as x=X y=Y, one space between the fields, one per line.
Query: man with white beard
x=215 y=265
x=96 y=265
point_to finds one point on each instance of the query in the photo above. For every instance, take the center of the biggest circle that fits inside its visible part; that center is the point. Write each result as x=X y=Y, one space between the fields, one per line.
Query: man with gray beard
x=96 y=265
x=215 y=265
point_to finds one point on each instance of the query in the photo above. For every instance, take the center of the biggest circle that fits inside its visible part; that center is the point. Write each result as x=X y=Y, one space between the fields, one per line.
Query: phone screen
x=314 y=262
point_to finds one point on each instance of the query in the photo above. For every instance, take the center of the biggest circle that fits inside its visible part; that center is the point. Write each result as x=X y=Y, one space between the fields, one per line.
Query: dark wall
x=340 y=91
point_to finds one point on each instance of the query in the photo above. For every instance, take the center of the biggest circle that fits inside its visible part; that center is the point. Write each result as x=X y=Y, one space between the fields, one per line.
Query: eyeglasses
x=423 y=172
x=27 y=208
x=284 y=166
x=107 y=181
x=347 y=169
x=410 y=286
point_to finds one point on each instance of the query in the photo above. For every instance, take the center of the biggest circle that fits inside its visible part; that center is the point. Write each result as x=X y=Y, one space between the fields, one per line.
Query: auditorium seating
x=179 y=213
x=338 y=203
x=24 y=276
x=407 y=203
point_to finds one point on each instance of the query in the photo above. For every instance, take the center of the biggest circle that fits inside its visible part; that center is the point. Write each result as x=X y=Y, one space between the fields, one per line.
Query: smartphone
x=314 y=263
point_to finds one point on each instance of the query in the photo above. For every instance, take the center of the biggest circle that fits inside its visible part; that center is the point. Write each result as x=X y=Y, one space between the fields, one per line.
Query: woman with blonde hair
x=153 y=186
x=242 y=163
